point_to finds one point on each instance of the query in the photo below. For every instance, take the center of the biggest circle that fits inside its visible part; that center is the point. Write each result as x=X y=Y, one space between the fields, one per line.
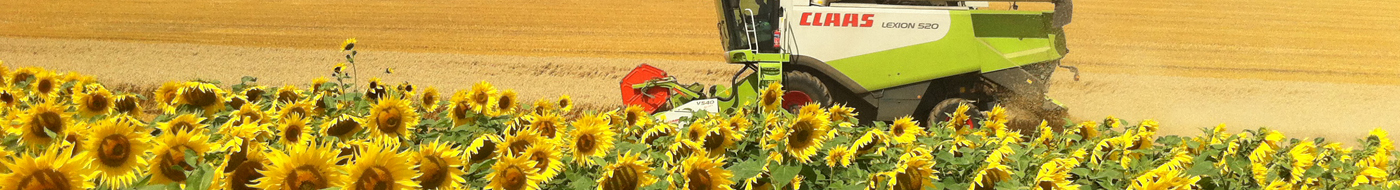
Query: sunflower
x=546 y=159
x=506 y=103
x=515 y=144
x=514 y=172
x=294 y=130
x=994 y=171
x=441 y=166
x=166 y=94
x=839 y=156
x=204 y=96
x=874 y=140
x=381 y=166
x=905 y=130
x=348 y=45
x=772 y=97
x=543 y=106
x=254 y=94
x=302 y=166
x=460 y=109
x=635 y=116
x=718 y=139
x=430 y=99
x=97 y=101
x=375 y=90
x=392 y=117
x=1304 y=156
x=46 y=85
x=842 y=113
x=481 y=98
x=483 y=148
x=9 y=98
x=1054 y=175
x=565 y=103
x=630 y=172
x=548 y=125
x=1370 y=176
x=658 y=130
x=170 y=154
x=119 y=151
x=807 y=134
x=24 y=74
x=343 y=127
x=703 y=172
x=186 y=123
x=42 y=119
x=591 y=138
x=287 y=94
x=338 y=69
x=317 y=83
x=251 y=114
x=297 y=109
x=240 y=168
x=53 y=169
x=914 y=171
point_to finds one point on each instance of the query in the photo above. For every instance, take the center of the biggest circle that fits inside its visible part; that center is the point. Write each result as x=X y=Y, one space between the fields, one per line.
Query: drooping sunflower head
x=118 y=151
x=549 y=125
x=440 y=165
x=375 y=90
x=514 y=172
x=392 y=117
x=839 y=156
x=294 y=130
x=348 y=45
x=547 y=160
x=125 y=104
x=516 y=143
x=543 y=106
x=992 y=173
x=629 y=172
x=905 y=130
x=381 y=166
x=591 y=138
x=249 y=113
x=874 y=140
x=704 y=172
x=460 y=109
x=842 y=113
x=565 y=103
x=482 y=98
x=318 y=85
x=288 y=94
x=203 y=96
x=914 y=171
x=55 y=168
x=240 y=168
x=254 y=94
x=430 y=99
x=41 y=120
x=483 y=148
x=302 y=166
x=186 y=123
x=506 y=102
x=406 y=90
x=94 y=101
x=343 y=127
x=772 y=97
x=10 y=98
x=168 y=165
x=807 y=134
x=296 y=109
x=657 y=131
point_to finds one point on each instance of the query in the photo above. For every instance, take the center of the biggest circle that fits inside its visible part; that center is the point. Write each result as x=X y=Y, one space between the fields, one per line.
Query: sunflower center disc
x=175 y=157
x=47 y=120
x=801 y=134
x=201 y=98
x=253 y=95
x=698 y=180
x=624 y=178
x=908 y=180
x=515 y=178
x=376 y=178
x=7 y=97
x=297 y=111
x=46 y=179
x=484 y=152
x=434 y=172
x=286 y=96
x=115 y=150
x=586 y=144
x=714 y=141
x=124 y=105
x=541 y=161
x=245 y=174
x=99 y=103
x=44 y=86
x=293 y=133
x=305 y=177
x=343 y=127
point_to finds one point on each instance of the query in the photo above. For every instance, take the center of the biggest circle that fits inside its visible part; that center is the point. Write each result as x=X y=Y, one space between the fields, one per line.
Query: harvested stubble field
x=1308 y=68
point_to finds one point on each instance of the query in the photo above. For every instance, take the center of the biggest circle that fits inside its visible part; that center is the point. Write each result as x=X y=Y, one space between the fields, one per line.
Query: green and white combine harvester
x=886 y=58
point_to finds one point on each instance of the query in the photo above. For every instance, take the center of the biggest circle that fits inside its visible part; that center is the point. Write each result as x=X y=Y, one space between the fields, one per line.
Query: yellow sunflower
x=53 y=169
x=1054 y=175
x=543 y=106
x=382 y=166
x=874 y=140
x=636 y=116
x=254 y=94
x=516 y=144
x=704 y=172
x=96 y=101
x=905 y=130
x=235 y=101
x=317 y=83
x=288 y=94
x=119 y=151
x=166 y=94
x=657 y=131
x=170 y=154
x=24 y=74
x=441 y=166
x=718 y=139
x=565 y=103
x=548 y=125
x=506 y=103
x=392 y=117
x=590 y=139
x=994 y=171
x=839 y=156
x=343 y=127
x=483 y=148
x=430 y=99
x=547 y=161
x=42 y=119
x=807 y=134
x=914 y=171
x=186 y=123
x=10 y=98
x=514 y=172
x=630 y=172
x=772 y=97
x=299 y=109
x=302 y=166
x=45 y=85
x=204 y=96
x=294 y=130
x=482 y=97
x=240 y=168
x=348 y=45
x=125 y=104
x=460 y=109
x=251 y=114
x=843 y=113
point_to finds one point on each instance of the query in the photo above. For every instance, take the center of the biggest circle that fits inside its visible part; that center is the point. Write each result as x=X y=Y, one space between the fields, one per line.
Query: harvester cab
x=886 y=58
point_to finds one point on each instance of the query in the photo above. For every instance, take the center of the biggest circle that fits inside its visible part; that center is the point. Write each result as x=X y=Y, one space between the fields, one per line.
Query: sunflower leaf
x=746 y=169
x=783 y=173
x=580 y=181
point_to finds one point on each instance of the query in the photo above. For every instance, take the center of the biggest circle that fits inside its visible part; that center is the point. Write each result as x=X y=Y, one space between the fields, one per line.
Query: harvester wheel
x=945 y=108
x=808 y=85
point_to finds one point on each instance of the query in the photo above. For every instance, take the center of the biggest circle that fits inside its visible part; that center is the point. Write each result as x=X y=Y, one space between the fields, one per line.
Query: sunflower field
x=68 y=131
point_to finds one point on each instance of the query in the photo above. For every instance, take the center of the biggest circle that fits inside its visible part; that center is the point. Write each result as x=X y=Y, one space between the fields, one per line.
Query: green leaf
x=746 y=169
x=1202 y=168
x=783 y=173
x=580 y=181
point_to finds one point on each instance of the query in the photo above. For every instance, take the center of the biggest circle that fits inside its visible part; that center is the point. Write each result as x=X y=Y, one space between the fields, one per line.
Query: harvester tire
x=809 y=84
x=945 y=108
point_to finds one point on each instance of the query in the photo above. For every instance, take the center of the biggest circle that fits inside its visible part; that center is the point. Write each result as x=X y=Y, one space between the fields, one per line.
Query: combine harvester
x=888 y=59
